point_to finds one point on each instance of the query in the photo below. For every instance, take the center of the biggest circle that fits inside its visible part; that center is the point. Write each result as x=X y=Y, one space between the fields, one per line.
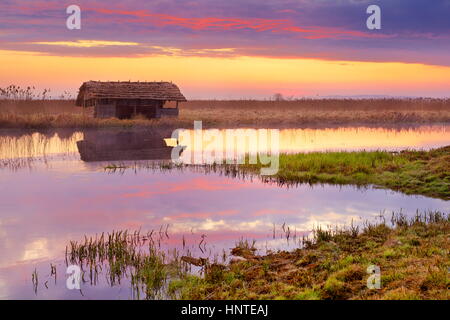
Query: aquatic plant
x=124 y=254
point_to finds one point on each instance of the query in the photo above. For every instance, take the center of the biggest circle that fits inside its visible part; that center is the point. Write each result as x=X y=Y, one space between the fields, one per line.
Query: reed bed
x=124 y=255
x=387 y=104
x=40 y=114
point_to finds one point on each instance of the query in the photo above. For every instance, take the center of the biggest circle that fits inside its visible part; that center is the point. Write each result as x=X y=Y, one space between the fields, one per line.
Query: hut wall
x=128 y=108
x=105 y=111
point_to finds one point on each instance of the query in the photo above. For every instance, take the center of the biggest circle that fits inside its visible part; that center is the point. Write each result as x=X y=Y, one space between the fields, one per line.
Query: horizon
x=68 y=96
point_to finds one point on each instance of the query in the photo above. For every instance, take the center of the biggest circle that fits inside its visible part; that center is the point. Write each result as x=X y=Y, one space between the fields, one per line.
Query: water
x=16 y=144
x=55 y=197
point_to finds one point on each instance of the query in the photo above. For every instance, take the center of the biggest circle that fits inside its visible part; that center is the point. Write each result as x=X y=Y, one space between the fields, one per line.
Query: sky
x=231 y=49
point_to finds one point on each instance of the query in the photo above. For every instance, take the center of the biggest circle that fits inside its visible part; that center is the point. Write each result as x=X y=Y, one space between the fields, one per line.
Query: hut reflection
x=124 y=145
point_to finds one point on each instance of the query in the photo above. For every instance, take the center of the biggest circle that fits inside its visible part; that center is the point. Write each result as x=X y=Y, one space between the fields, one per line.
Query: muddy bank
x=399 y=260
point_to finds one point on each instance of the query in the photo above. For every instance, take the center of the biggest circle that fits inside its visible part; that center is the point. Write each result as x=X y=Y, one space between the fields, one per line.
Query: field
x=239 y=113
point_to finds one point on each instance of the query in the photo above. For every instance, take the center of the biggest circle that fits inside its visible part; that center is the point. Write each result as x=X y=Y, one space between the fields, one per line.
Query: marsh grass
x=411 y=252
x=331 y=263
x=411 y=172
x=124 y=255
x=39 y=114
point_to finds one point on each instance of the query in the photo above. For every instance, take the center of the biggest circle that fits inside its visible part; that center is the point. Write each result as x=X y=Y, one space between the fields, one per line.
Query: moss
x=308 y=294
x=350 y=273
x=390 y=254
x=189 y=287
x=386 y=279
x=334 y=289
x=436 y=279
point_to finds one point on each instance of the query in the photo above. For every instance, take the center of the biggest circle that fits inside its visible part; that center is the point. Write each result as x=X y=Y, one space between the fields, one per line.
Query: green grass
x=336 y=267
x=424 y=173
x=412 y=254
x=411 y=172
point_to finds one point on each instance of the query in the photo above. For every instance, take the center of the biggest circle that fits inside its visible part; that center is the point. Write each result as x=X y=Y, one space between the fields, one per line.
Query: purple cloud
x=412 y=31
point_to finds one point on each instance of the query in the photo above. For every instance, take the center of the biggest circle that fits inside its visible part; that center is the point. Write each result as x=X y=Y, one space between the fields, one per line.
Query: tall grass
x=412 y=172
x=242 y=113
x=122 y=255
x=340 y=162
x=389 y=104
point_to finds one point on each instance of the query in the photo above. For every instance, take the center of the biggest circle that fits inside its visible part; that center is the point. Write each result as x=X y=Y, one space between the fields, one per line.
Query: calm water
x=51 y=197
x=16 y=144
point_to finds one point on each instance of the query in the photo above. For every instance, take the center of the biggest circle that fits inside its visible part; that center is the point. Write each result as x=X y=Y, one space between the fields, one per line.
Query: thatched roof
x=165 y=91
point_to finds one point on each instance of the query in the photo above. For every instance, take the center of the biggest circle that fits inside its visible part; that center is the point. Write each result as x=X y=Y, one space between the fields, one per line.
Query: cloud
x=202 y=215
x=86 y=43
x=412 y=31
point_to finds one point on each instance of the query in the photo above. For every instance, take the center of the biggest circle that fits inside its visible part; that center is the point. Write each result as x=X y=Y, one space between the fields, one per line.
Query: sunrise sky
x=231 y=49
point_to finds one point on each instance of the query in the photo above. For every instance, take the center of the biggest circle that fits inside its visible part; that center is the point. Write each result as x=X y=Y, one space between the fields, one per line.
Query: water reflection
x=19 y=144
x=22 y=144
x=334 y=139
x=41 y=212
x=123 y=145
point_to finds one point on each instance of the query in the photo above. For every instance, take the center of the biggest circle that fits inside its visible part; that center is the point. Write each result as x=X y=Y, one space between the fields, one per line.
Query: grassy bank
x=411 y=172
x=245 y=113
x=424 y=173
x=412 y=256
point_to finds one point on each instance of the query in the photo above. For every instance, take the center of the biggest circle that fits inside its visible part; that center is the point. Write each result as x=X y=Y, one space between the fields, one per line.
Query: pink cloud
x=197 y=184
x=231 y=24
x=265 y=212
x=204 y=215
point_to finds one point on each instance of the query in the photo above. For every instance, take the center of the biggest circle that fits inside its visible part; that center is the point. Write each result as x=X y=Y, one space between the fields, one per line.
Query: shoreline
x=410 y=256
x=169 y=128
x=425 y=173
x=77 y=122
x=394 y=258
x=52 y=114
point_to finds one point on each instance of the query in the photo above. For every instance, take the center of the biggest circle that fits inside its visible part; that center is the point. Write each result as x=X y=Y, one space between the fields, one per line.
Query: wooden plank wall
x=104 y=111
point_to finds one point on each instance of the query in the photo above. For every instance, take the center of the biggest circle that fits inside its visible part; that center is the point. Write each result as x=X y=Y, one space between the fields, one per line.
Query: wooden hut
x=123 y=100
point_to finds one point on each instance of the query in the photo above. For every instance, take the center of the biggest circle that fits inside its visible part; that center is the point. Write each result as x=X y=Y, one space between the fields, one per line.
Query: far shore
x=307 y=113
